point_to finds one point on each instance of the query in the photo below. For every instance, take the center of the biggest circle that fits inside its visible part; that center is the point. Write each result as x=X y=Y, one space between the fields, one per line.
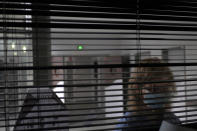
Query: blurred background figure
x=149 y=93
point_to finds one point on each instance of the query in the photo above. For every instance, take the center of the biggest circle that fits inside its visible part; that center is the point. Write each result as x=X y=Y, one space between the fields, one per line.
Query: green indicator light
x=80 y=47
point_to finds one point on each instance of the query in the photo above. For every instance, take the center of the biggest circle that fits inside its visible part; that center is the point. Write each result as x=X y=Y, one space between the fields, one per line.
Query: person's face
x=150 y=96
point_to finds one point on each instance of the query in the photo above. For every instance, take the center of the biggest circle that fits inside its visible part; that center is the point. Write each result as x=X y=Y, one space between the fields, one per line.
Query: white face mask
x=155 y=99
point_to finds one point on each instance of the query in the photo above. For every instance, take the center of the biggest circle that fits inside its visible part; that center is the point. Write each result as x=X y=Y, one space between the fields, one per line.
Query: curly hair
x=158 y=79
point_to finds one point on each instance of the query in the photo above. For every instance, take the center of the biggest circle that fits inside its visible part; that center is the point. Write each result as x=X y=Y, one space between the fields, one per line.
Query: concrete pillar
x=41 y=52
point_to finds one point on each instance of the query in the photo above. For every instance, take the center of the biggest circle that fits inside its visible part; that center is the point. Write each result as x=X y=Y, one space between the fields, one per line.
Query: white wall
x=69 y=47
x=117 y=98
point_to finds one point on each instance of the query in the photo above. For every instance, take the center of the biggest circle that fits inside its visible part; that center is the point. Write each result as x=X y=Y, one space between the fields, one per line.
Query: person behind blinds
x=148 y=100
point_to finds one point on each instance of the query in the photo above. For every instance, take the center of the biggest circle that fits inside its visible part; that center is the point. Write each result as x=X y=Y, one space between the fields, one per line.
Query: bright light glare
x=24 y=49
x=15 y=53
x=13 y=45
x=60 y=91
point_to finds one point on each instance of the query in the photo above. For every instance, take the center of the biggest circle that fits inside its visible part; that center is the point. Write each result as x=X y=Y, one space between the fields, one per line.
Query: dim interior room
x=172 y=51
x=67 y=65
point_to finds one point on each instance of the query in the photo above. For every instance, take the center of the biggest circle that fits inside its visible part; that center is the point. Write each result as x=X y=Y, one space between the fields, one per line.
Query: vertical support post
x=125 y=76
x=41 y=56
x=41 y=52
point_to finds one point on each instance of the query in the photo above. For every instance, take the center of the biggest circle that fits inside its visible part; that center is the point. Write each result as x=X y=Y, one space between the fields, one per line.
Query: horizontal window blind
x=97 y=65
